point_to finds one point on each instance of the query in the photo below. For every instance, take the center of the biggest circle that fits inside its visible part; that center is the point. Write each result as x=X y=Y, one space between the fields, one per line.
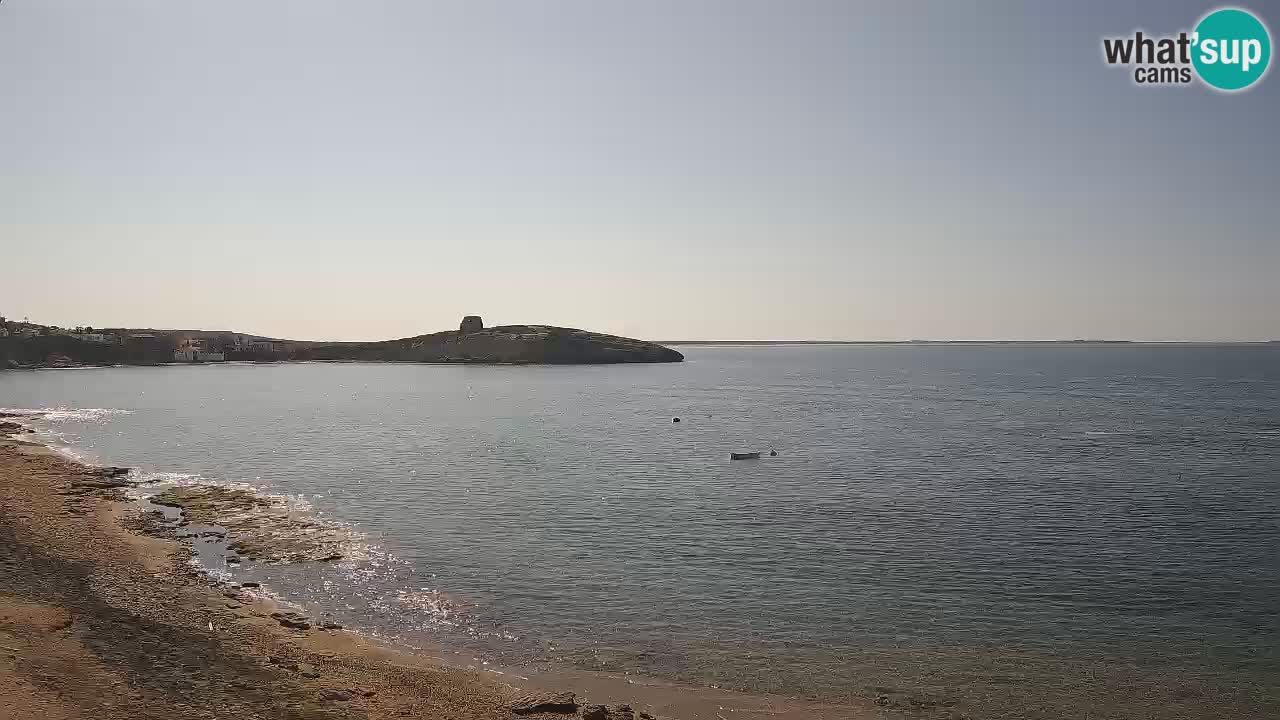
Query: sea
x=1015 y=531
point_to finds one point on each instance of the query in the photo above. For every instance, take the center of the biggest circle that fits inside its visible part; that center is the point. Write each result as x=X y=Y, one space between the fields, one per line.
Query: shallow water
x=1050 y=531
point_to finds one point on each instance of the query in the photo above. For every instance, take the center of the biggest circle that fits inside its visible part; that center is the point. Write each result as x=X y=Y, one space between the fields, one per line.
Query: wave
x=66 y=414
x=50 y=426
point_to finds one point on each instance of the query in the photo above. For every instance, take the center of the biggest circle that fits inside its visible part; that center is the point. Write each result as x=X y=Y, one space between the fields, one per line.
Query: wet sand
x=100 y=618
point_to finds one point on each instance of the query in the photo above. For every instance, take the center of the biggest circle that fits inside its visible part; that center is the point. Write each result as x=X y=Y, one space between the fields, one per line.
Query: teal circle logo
x=1232 y=49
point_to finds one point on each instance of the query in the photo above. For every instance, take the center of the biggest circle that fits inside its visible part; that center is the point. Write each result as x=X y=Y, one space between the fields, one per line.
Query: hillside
x=537 y=344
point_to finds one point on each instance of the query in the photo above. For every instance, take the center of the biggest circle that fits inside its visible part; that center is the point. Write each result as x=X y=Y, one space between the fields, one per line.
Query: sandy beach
x=103 y=617
x=99 y=621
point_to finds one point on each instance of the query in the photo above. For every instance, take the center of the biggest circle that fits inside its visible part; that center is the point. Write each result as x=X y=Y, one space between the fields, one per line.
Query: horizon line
x=1073 y=341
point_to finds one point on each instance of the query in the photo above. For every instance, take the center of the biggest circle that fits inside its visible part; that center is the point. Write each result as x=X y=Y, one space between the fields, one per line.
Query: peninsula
x=25 y=345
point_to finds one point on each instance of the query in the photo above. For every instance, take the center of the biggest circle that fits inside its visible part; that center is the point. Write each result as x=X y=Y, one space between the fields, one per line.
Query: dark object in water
x=744 y=456
x=773 y=453
x=675 y=420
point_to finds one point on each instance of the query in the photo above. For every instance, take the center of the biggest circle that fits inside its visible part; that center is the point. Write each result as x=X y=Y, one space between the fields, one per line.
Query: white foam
x=53 y=439
x=172 y=478
x=149 y=482
x=65 y=414
x=435 y=606
x=67 y=452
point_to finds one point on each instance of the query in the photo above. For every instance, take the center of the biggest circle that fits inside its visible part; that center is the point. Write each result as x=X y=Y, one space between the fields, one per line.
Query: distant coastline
x=1206 y=343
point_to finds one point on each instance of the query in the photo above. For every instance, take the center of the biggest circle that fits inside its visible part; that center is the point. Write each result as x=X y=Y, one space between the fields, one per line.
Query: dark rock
x=611 y=712
x=100 y=481
x=250 y=585
x=471 y=324
x=285 y=663
x=646 y=716
x=335 y=695
x=292 y=620
x=545 y=702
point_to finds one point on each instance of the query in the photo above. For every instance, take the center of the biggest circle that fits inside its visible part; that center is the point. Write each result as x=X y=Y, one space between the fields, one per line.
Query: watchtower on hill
x=470 y=324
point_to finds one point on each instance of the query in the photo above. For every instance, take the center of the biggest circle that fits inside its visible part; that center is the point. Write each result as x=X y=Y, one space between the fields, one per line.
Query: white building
x=194 y=351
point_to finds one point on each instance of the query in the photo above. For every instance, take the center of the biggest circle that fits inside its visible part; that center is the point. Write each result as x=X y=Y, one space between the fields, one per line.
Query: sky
x=661 y=169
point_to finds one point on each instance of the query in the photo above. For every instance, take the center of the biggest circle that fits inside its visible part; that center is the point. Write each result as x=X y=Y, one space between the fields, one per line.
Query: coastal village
x=47 y=345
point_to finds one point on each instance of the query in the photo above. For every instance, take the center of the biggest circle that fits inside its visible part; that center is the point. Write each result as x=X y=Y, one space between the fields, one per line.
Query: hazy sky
x=667 y=170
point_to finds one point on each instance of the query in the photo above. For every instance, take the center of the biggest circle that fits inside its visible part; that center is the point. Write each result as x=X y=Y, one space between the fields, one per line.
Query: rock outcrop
x=292 y=620
x=12 y=428
x=258 y=527
x=539 y=703
x=613 y=712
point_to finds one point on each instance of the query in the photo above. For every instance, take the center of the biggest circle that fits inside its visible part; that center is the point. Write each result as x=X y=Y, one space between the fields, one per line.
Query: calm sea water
x=1054 y=532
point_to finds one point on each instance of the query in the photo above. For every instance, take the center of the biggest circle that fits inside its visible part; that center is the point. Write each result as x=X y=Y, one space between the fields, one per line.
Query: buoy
x=675 y=419
x=773 y=453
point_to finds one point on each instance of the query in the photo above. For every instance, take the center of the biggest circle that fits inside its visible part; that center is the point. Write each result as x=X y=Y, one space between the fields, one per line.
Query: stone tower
x=470 y=324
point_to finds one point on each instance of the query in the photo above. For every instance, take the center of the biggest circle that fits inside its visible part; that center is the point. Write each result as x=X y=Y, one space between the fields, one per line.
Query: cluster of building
x=201 y=349
x=28 y=331
x=194 y=350
x=184 y=347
